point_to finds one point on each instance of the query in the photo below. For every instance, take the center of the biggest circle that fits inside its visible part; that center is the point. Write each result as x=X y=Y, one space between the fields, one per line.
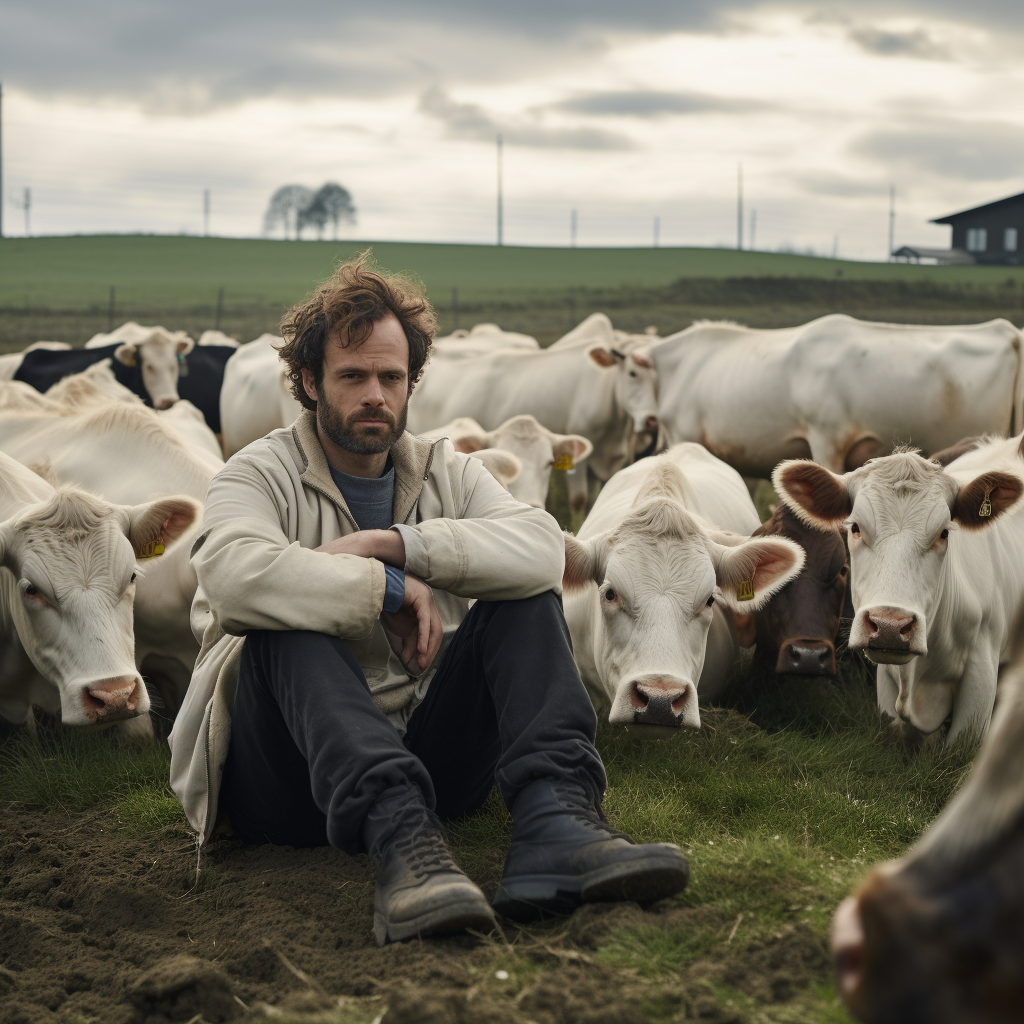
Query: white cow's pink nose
x=165 y=403
x=111 y=699
x=658 y=701
x=652 y=423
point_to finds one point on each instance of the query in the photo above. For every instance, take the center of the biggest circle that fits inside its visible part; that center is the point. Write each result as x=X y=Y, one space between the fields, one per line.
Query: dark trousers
x=310 y=752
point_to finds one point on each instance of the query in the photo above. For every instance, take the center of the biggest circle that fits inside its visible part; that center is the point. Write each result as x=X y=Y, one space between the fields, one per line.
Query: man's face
x=363 y=399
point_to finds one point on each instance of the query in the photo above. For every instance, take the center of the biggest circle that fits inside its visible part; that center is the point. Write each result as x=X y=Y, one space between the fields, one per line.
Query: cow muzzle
x=165 y=403
x=807 y=656
x=661 y=700
x=888 y=636
x=112 y=700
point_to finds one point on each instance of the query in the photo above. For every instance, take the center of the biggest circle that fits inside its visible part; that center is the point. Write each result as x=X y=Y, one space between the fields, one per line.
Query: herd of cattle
x=106 y=453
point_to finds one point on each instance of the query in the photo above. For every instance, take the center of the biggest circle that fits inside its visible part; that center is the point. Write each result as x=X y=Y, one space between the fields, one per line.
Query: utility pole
x=892 y=221
x=1 y=160
x=572 y=230
x=739 y=206
x=657 y=231
x=753 y=229
x=500 y=185
x=206 y=212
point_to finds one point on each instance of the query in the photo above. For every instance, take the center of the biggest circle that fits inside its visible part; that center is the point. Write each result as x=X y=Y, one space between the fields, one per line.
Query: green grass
x=782 y=802
x=68 y=272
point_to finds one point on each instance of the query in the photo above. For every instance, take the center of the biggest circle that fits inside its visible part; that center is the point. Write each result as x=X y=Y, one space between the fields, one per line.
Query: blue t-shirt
x=371 y=501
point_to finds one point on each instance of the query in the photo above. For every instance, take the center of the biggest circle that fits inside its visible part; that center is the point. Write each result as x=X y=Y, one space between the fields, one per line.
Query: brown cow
x=938 y=937
x=796 y=631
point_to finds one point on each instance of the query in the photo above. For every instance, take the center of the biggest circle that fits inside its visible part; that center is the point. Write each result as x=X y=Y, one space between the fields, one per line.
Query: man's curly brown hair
x=344 y=309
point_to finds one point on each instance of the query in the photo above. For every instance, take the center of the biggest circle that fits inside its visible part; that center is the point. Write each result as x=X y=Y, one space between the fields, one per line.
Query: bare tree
x=336 y=202
x=286 y=208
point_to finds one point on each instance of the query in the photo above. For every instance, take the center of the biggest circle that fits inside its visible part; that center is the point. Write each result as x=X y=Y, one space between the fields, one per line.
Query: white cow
x=256 y=396
x=483 y=338
x=158 y=352
x=97 y=385
x=663 y=553
x=936 y=570
x=217 y=338
x=67 y=584
x=10 y=363
x=593 y=390
x=837 y=390
x=536 y=449
x=126 y=454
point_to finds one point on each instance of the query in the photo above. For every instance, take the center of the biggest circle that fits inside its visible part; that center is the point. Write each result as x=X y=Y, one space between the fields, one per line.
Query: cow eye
x=710 y=601
x=944 y=534
x=610 y=595
x=32 y=591
x=632 y=373
x=844 y=571
x=132 y=580
x=855 y=529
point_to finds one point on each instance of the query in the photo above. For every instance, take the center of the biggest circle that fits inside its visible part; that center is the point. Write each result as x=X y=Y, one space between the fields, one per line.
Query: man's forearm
x=386 y=546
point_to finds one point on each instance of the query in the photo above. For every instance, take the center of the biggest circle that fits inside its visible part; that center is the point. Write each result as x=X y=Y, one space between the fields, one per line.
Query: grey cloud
x=470 y=121
x=898 y=44
x=191 y=55
x=991 y=151
x=641 y=103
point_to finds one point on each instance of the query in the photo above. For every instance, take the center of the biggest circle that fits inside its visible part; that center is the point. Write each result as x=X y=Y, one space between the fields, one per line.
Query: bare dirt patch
x=99 y=925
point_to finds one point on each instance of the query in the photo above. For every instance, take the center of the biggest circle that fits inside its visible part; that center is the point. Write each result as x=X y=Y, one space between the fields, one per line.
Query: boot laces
x=424 y=850
x=579 y=804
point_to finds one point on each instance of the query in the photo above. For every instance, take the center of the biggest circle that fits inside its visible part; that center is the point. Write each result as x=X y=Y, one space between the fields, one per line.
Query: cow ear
x=582 y=563
x=152 y=527
x=571 y=446
x=751 y=573
x=126 y=354
x=502 y=465
x=469 y=443
x=604 y=356
x=818 y=497
x=184 y=346
x=985 y=498
x=643 y=358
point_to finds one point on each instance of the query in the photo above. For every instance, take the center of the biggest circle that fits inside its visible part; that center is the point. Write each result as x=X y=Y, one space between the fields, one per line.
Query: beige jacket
x=269 y=507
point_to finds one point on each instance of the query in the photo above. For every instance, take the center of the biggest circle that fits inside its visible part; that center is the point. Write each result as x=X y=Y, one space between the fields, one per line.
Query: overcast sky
x=118 y=114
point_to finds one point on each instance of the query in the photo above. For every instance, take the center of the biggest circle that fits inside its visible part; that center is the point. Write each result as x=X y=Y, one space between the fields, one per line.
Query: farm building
x=993 y=234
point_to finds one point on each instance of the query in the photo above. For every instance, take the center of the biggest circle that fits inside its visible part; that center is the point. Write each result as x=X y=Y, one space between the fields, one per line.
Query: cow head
x=161 y=360
x=935 y=938
x=73 y=563
x=796 y=630
x=636 y=390
x=655 y=579
x=538 y=450
x=901 y=513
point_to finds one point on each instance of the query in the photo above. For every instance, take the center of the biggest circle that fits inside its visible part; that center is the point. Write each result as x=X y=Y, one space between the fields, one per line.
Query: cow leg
x=310 y=752
x=826 y=450
x=887 y=688
x=976 y=693
x=506 y=702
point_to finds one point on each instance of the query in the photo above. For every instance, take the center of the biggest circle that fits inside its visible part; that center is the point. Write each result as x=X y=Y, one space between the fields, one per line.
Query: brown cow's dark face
x=923 y=946
x=796 y=631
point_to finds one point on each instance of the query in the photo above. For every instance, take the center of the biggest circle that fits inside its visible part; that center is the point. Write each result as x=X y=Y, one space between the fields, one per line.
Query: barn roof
x=1008 y=201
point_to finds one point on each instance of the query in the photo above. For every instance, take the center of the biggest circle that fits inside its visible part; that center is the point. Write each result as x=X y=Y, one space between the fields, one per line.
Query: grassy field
x=782 y=802
x=59 y=288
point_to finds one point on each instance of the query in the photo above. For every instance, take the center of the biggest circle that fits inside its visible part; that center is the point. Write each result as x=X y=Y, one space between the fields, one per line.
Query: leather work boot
x=420 y=889
x=564 y=853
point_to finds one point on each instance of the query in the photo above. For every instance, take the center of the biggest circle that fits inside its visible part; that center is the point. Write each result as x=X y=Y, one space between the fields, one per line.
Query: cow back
x=202 y=384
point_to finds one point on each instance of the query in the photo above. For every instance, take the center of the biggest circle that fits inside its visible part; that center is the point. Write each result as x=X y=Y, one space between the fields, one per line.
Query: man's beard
x=343 y=431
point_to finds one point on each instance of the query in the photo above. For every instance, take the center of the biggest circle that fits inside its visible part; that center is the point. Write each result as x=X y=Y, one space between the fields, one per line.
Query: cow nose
x=889 y=629
x=658 y=701
x=807 y=657
x=848 y=946
x=652 y=423
x=112 y=699
x=165 y=403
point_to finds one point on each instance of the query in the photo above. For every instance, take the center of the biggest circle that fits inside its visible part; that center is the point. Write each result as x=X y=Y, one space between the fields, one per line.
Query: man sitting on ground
x=346 y=693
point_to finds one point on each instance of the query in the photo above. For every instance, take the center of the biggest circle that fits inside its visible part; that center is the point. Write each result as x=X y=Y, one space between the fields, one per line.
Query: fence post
x=455 y=308
x=110 y=311
x=220 y=308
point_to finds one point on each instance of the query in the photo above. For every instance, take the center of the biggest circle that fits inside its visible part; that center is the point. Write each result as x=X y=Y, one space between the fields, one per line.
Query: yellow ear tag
x=563 y=462
x=745 y=591
x=151 y=550
x=986 y=506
